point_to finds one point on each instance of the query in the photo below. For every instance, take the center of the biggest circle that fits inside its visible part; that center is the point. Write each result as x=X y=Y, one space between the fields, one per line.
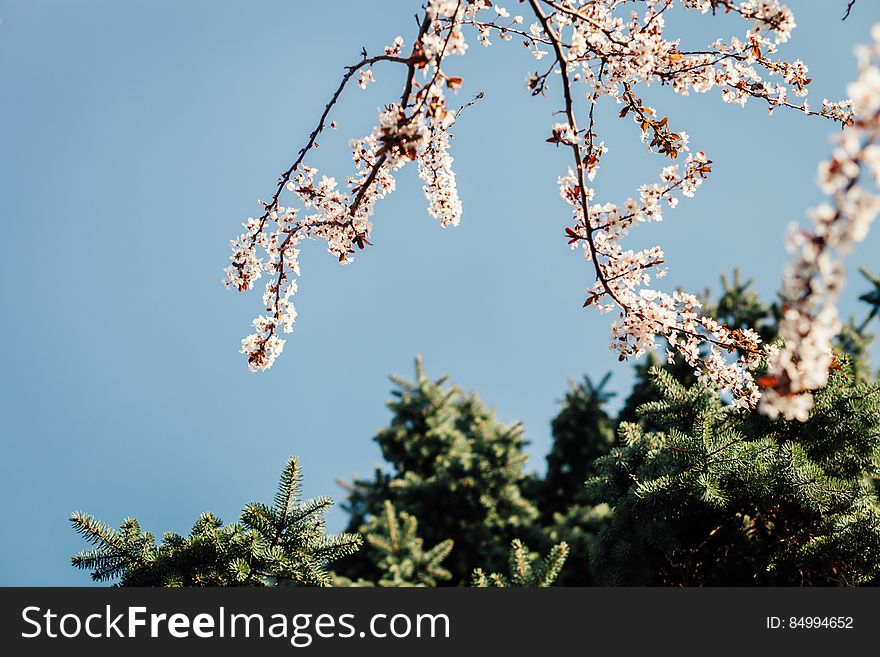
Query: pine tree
x=393 y=544
x=578 y=526
x=582 y=431
x=283 y=544
x=717 y=497
x=455 y=468
x=686 y=492
x=658 y=502
x=526 y=568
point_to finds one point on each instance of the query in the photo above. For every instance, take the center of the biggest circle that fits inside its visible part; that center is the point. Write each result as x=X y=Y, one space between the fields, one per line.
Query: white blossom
x=365 y=78
x=814 y=278
x=599 y=51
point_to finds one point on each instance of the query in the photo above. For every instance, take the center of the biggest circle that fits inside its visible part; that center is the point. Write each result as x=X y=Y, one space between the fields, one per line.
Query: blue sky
x=136 y=136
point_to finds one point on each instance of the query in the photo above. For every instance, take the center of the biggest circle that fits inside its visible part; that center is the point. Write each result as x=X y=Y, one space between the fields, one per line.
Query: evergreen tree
x=681 y=490
x=455 y=468
x=284 y=543
x=582 y=432
x=581 y=523
x=578 y=526
x=526 y=568
x=718 y=497
x=393 y=545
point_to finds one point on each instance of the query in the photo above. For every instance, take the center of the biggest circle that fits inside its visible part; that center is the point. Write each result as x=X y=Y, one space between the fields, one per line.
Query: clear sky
x=136 y=136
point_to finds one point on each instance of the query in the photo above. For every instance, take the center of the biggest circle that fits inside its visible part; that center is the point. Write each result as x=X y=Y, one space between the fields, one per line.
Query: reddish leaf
x=768 y=381
x=453 y=83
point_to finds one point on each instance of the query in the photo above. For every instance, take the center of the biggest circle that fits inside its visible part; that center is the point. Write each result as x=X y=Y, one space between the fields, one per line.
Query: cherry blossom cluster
x=814 y=278
x=435 y=170
x=609 y=54
x=648 y=314
x=414 y=129
x=595 y=51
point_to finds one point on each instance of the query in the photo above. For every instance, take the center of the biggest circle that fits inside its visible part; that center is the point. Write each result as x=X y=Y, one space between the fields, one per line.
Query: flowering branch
x=814 y=279
x=341 y=219
x=607 y=51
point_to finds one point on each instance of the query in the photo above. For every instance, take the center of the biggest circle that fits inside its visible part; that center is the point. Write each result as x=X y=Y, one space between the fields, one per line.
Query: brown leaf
x=453 y=83
x=768 y=381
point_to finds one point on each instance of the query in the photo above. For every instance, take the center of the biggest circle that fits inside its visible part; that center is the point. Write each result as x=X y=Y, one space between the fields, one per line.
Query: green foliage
x=582 y=432
x=578 y=526
x=284 y=543
x=453 y=466
x=394 y=546
x=718 y=497
x=698 y=494
x=525 y=568
x=739 y=306
x=680 y=490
